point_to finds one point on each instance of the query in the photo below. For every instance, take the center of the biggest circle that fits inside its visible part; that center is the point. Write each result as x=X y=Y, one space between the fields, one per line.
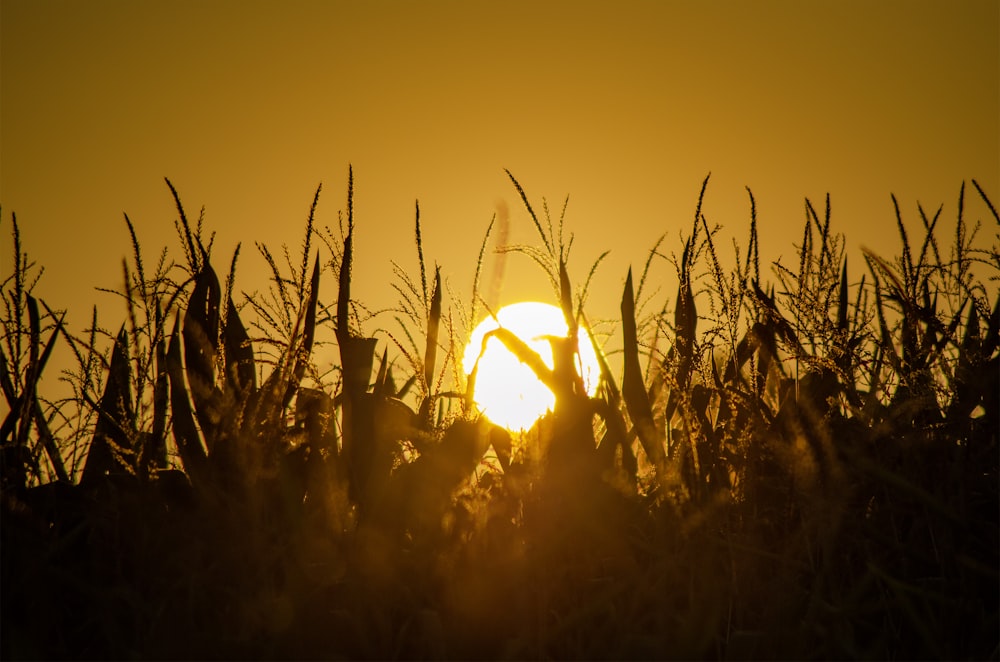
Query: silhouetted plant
x=803 y=468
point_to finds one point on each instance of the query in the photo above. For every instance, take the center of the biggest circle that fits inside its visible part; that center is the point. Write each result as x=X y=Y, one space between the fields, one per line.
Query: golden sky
x=626 y=106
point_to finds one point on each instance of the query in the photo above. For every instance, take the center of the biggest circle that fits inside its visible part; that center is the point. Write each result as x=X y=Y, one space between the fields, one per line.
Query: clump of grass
x=789 y=468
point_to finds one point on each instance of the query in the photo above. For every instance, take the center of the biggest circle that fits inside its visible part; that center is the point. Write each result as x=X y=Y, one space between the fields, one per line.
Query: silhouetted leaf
x=111 y=451
x=685 y=321
x=381 y=387
x=433 y=324
x=49 y=444
x=524 y=354
x=201 y=342
x=189 y=446
x=633 y=389
x=566 y=300
x=344 y=284
x=241 y=373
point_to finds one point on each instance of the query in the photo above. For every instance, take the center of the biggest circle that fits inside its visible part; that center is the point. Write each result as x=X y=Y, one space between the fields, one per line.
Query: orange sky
x=625 y=106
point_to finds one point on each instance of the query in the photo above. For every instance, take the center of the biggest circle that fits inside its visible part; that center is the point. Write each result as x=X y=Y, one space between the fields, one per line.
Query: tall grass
x=795 y=465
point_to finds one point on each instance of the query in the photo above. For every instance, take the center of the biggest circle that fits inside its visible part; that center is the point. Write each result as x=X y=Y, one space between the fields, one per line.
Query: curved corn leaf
x=615 y=436
x=382 y=386
x=189 y=446
x=633 y=390
x=6 y=384
x=433 y=325
x=111 y=451
x=608 y=380
x=745 y=349
x=201 y=342
x=968 y=375
x=524 y=354
x=241 y=373
x=776 y=321
x=49 y=444
x=685 y=321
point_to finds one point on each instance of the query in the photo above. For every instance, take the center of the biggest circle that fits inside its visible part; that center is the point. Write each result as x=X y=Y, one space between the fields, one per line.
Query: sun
x=507 y=391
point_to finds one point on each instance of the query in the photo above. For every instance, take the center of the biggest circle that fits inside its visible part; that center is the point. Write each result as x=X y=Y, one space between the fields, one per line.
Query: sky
x=625 y=107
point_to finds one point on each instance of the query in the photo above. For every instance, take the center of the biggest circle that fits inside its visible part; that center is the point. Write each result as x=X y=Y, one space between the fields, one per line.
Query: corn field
x=799 y=462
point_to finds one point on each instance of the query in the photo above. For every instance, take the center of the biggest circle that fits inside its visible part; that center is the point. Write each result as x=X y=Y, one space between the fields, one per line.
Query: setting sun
x=507 y=391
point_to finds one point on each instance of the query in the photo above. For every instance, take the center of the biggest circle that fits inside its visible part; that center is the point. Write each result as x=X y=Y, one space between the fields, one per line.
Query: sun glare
x=507 y=391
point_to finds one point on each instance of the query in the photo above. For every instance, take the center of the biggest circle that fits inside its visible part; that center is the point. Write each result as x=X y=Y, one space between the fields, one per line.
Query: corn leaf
x=433 y=325
x=111 y=450
x=189 y=446
x=241 y=373
x=633 y=389
x=201 y=342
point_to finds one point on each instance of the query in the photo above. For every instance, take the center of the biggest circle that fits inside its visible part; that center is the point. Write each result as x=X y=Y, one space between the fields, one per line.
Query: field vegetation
x=798 y=461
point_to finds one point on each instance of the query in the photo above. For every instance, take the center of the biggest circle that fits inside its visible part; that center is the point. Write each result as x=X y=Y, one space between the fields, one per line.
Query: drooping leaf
x=524 y=354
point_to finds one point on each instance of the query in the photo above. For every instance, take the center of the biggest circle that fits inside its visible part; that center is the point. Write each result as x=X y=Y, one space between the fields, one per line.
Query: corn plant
x=786 y=466
x=26 y=459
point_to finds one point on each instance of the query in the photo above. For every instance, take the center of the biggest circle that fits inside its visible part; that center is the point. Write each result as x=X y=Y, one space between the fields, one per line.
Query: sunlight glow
x=507 y=391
